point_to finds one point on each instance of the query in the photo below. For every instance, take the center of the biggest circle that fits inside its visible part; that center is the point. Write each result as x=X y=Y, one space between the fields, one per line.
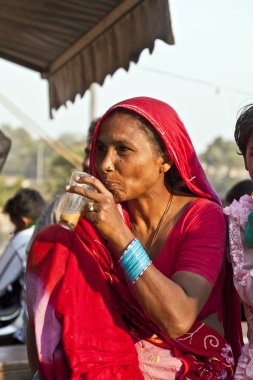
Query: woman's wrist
x=134 y=261
x=120 y=240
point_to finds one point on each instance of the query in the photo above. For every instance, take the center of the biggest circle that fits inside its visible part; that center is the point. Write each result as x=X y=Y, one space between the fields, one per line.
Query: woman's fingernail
x=67 y=187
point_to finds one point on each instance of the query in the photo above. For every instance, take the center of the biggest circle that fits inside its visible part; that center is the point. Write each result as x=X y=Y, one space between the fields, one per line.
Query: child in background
x=23 y=209
x=240 y=216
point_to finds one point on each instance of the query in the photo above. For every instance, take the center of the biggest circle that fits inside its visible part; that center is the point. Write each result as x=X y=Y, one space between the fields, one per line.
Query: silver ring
x=91 y=206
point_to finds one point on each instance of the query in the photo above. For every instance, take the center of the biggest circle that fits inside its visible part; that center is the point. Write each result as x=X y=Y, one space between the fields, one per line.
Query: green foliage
x=7 y=191
x=57 y=173
x=21 y=160
x=223 y=166
x=31 y=162
x=222 y=152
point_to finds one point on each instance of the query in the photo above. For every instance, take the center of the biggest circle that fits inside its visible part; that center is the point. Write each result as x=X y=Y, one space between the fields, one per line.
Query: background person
x=240 y=215
x=142 y=274
x=23 y=209
x=239 y=189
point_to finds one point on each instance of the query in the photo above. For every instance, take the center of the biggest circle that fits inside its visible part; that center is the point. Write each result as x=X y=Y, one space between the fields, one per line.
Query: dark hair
x=239 y=189
x=172 y=176
x=89 y=138
x=26 y=202
x=87 y=147
x=244 y=128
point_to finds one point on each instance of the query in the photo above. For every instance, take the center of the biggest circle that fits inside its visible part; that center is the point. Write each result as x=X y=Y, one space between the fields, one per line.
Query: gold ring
x=91 y=206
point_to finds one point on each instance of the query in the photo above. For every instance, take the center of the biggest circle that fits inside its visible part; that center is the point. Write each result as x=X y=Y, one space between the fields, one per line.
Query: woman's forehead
x=120 y=122
x=121 y=115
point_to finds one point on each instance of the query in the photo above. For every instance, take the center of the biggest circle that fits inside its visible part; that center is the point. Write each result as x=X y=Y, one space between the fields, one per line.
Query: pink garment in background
x=242 y=261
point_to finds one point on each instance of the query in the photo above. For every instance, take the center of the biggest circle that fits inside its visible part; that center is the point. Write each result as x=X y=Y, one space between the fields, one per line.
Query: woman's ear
x=166 y=163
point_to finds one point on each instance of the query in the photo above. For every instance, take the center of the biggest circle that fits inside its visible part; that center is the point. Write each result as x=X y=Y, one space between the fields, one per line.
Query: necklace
x=156 y=232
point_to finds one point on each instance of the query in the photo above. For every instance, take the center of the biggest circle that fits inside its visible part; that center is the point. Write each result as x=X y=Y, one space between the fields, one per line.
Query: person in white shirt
x=23 y=209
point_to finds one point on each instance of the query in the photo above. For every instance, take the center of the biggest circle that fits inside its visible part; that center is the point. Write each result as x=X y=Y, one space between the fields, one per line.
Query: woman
x=135 y=291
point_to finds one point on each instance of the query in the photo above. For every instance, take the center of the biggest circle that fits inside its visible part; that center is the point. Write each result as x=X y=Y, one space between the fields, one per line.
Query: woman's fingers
x=90 y=180
x=95 y=196
x=94 y=190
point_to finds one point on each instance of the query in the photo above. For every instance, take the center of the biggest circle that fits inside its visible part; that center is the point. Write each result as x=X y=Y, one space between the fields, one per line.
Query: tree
x=21 y=160
x=223 y=166
x=21 y=167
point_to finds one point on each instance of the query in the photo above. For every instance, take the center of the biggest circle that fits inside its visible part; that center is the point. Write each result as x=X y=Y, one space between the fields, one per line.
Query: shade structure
x=75 y=43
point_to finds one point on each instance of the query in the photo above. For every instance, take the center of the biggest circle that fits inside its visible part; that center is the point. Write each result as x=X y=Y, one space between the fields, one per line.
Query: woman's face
x=249 y=156
x=125 y=159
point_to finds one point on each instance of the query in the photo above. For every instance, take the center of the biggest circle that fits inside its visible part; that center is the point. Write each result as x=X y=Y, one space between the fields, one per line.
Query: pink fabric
x=242 y=261
x=156 y=362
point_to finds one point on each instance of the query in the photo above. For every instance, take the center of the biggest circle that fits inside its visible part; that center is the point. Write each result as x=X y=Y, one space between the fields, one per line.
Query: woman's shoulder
x=204 y=214
x=204 y=206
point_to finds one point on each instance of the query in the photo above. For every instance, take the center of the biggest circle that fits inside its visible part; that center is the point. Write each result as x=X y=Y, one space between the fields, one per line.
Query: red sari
x=79 y=302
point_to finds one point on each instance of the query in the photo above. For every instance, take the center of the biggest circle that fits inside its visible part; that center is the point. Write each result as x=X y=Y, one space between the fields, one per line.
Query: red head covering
x=171 y=129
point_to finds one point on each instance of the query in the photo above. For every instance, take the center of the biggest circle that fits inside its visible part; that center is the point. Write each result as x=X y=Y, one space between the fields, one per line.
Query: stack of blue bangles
x=134 y=261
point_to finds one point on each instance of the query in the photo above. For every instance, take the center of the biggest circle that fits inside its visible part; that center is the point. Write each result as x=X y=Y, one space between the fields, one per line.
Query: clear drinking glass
x=73 y=204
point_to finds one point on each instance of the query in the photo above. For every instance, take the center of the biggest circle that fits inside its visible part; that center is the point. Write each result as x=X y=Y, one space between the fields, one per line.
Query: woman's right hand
x=105 y=215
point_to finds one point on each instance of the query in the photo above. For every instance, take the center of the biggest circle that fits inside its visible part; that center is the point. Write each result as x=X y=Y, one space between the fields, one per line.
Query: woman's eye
x=101 y=148
x=123 y=148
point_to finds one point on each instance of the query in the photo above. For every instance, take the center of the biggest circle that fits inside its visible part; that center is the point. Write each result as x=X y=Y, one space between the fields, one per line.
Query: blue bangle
x=134 y=261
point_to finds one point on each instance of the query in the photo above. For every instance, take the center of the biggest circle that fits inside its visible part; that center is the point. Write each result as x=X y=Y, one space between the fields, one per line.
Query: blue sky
x=206 y=76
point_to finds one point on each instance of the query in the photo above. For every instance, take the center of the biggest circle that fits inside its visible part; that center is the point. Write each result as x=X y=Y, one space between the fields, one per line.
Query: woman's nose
x=107 y=164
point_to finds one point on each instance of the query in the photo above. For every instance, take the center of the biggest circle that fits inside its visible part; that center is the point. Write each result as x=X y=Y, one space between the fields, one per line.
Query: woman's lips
x=111 y=185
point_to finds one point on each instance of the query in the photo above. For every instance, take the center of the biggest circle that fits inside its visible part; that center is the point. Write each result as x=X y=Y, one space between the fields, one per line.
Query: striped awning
x=74 y=43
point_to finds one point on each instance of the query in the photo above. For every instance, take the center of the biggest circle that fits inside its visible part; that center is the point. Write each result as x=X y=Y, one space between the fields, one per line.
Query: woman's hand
x=105 y=214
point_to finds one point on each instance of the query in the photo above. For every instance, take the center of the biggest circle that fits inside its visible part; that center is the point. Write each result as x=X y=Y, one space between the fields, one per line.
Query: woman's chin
x=118 y=197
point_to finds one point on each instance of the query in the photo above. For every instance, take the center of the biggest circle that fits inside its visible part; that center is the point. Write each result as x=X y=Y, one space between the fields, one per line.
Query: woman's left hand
x=104 y=214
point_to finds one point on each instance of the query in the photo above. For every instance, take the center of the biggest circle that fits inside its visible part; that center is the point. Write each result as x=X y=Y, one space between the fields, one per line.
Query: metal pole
x=93 y=101
x=40 y=162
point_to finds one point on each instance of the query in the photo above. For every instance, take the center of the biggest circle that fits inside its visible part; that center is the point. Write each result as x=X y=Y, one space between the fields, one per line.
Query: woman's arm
x=175 y=303
x=172 y=304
